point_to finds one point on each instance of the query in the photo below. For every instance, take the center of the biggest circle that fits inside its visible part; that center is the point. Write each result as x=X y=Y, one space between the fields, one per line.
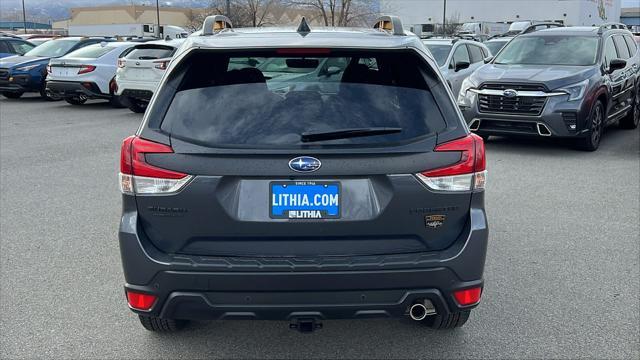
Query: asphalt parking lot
x=562 y=273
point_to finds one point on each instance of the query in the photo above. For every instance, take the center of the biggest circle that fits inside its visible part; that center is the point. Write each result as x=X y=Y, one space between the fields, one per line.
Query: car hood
x=14 y=61
x=552 y=77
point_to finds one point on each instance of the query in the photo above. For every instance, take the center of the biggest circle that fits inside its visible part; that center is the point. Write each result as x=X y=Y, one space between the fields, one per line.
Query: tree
x=342 y=12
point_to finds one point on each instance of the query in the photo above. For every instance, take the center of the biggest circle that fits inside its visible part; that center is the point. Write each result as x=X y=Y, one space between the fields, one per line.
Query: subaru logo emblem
x=510 y=93
x=304 y=164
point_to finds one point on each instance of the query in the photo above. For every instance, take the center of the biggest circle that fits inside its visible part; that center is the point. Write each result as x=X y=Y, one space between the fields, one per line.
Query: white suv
x=140 y=71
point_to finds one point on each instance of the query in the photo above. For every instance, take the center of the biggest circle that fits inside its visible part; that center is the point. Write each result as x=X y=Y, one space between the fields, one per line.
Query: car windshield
x=90 y=52
x=52 y=48
x=338 y=100
x=495 y=46
x=440 y=52
x=549 y=50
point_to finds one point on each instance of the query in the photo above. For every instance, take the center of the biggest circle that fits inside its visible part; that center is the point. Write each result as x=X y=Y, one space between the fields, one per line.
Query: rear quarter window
x=269 y=100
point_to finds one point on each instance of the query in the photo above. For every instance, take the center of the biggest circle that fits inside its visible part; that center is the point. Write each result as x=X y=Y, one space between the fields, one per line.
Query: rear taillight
x=467 y=174
x=140 y=301
x=162 y=64
x=468 y=297
x=122 y=63
x=139 y=177
x=48 y=69
x=86 y=69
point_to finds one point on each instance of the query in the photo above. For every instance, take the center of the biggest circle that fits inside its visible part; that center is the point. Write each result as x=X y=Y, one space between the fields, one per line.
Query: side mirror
x=488 y=59
x=330 y=71
x=616 y=64
x=461 y=65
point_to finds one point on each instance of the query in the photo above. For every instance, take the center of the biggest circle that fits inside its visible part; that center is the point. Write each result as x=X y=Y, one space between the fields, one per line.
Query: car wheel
x=157 y=324
x=633 y=117
x=118 y=102
x=76 y=100
x=48 y=95
x=596 y=124
x=137 y=106
x=12 y=95
x=451 y=321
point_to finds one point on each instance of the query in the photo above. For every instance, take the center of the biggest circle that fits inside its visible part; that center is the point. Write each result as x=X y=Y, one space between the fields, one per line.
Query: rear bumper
x=196 y=287
x=73 y=89
x=136 y=89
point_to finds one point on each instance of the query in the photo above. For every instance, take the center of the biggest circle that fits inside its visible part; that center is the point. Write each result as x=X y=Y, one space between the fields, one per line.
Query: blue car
x=10 y=46
x=27 y=73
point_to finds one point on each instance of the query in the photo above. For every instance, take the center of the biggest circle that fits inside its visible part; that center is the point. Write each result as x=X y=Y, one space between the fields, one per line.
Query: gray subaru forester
x=564 y=82
x=301 y=175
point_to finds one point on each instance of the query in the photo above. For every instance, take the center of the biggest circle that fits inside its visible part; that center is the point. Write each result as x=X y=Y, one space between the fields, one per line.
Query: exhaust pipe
x=543 y=130
x=474 y=125
x=418 y=312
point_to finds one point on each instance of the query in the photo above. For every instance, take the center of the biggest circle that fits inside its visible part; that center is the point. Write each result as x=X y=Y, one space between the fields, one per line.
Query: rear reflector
x=468 y=296
x=139 y=301
x=139 y=177
x=467 y=174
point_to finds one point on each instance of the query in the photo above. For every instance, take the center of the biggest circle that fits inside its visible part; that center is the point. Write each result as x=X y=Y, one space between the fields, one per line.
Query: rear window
x=273 y=100
x=91 y=52
x=146 y=53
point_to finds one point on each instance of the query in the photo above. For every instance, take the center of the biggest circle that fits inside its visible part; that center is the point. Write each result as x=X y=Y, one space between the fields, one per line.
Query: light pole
x=228 y=9
x=24 y=17
x=444 y=20
x=157 y=17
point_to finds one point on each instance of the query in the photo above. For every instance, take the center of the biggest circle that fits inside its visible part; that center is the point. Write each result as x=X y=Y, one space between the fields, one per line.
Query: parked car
x=564 y=82
x=87 y=73
x=457 y=58
x=140 y=70
x=363 y=199
x=27 y=73
x=41 y=40
x=10 y=46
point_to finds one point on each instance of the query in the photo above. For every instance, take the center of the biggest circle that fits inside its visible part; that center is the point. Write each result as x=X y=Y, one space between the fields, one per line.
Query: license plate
x=304 y=200
x=64 y=71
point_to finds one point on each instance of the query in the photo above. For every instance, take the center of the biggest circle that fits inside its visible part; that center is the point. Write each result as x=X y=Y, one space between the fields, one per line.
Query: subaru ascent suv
x=356 y=196
x=564 y=82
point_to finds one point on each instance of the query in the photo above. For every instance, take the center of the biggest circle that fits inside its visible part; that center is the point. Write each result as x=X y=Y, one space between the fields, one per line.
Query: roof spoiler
x=545 y=25
x=611 y=26
x=389 y=24
x=215 y=24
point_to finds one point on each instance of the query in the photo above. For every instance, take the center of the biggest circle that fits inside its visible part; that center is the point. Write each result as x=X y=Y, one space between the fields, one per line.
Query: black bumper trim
x=70 y=89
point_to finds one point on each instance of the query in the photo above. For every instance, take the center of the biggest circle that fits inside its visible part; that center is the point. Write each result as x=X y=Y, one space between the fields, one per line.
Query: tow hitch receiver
x=305 y=325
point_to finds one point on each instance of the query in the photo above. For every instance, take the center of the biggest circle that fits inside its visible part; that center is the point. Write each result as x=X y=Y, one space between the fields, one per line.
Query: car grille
x=520 y=105
x=517 y=87
x=4 y=74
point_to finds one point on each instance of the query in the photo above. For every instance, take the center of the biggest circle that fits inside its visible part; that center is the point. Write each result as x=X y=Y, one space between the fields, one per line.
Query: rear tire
x=596 y=126
x=157 y=324
x=631 y=120
x=75 y=100
x=137 y=106
x=451 y=321
x=118 y=102
x=12 y=95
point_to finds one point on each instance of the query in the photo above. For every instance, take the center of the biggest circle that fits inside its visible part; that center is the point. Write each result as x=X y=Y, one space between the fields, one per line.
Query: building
x=19 y=25
x=127 y=14
x=631 y=17
x=570 y=12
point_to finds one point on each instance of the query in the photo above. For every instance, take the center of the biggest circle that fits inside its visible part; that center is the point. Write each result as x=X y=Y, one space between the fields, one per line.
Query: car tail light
x=86 y=69
x=162 y=64
x=48 y=69
x=467 y=174
x=122 y=63
x=140 y=301
x=139 y=177
x=468 y=296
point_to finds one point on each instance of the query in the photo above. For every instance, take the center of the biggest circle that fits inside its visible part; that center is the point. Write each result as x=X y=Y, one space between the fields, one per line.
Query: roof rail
x=214 y=24
x=545 y=25
x=611 y=26
x=390 y=24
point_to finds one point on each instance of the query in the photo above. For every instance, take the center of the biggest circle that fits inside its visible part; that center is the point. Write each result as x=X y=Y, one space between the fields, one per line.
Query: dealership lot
x=562 y=275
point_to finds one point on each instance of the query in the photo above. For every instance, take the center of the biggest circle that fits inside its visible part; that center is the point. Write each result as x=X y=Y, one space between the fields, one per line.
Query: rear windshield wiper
x=348 y=133
x=147 y=57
